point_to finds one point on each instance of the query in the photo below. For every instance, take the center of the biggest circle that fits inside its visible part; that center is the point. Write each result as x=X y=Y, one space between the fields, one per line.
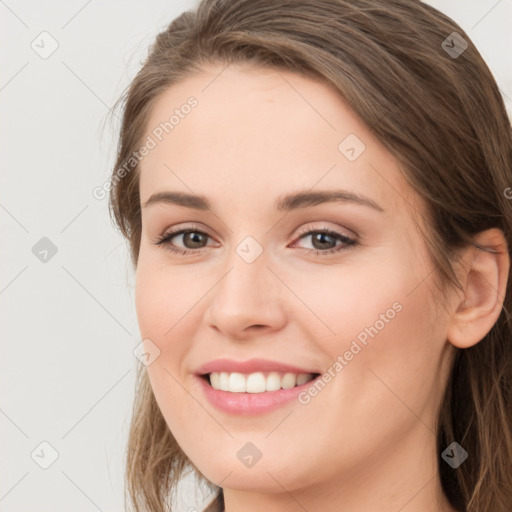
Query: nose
x=247 y=301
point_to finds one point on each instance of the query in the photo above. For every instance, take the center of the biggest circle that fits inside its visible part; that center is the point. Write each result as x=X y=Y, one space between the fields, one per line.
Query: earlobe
x=484 y=280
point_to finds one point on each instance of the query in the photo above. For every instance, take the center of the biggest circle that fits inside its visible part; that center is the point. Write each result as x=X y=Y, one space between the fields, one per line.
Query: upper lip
x=249 y=366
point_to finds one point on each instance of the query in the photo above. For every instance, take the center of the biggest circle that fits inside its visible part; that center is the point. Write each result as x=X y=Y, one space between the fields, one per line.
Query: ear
x=484 y=280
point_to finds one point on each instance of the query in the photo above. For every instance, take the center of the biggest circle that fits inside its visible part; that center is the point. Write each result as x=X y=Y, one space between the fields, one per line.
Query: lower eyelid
x=167 y=237
x=346 y=241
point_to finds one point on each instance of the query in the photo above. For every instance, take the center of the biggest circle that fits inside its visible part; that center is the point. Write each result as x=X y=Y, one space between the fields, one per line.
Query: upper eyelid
x=303 y=231
x=343 y=231
x=304 y=228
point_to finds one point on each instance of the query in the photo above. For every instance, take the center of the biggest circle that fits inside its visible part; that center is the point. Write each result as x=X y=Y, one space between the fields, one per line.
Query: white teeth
x=302 y=378
x=237 y=383
x=256 y=382
x=273 y=382
x=215 y=380
x=223 y=380
x=288 y=381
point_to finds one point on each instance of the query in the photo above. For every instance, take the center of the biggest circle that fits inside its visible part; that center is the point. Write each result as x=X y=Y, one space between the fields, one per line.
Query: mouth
x=256 y=382
x=254 y=386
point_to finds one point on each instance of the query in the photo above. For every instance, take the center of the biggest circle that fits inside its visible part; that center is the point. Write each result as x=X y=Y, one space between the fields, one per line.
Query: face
x=338 y=288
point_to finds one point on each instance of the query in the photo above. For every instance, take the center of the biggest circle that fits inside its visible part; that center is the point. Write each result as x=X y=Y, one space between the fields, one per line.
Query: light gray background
x=68 y=324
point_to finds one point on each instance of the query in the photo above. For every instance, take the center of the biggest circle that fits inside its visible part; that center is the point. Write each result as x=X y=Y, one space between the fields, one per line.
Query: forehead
x=255 y=133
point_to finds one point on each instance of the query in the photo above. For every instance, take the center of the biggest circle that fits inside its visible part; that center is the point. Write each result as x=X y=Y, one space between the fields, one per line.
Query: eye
x=192 y=235
x=325 y=241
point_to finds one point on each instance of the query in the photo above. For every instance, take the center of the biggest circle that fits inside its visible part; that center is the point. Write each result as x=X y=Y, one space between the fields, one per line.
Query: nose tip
x=240 y=331
x=241 y=323
x=247 y=301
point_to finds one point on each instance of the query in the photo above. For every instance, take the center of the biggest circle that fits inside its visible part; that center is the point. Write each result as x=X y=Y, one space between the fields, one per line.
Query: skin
x=366 y=442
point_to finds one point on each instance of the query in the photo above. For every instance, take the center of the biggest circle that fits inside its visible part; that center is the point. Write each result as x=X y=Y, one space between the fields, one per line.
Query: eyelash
x=348 y=243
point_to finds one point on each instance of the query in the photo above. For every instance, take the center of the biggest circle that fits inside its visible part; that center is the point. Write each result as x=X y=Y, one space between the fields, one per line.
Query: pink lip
x=248 y=404
x=250 y=366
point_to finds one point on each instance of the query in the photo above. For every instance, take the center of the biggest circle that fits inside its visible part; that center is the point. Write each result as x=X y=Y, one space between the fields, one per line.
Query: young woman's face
x=265 y=282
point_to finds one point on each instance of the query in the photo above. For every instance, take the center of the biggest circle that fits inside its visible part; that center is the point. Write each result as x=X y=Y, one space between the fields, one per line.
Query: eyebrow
x=294 y=201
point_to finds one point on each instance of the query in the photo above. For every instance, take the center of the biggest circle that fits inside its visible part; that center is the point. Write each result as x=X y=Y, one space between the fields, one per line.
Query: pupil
x=320 y=237
x=193 y=237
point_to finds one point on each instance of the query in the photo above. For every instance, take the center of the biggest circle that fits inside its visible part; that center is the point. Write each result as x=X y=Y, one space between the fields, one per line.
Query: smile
x=257 y=382
x=254 y=393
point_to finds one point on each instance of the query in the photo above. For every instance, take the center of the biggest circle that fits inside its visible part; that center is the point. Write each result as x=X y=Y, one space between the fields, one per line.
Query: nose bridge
x=248 y=293
x=248 y=281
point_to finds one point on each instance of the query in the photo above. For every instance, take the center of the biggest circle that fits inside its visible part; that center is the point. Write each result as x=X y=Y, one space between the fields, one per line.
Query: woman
x=315 y=198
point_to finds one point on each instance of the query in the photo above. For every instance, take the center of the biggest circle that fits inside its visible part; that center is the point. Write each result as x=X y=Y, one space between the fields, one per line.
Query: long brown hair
x=438 y=112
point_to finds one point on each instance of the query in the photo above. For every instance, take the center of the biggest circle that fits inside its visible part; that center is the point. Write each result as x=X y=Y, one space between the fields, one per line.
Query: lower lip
x=246 y=404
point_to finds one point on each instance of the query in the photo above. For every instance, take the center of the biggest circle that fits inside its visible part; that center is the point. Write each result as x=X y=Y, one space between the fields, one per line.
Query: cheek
x=385 y=330
x=391 y=346
x=162 y=300
x=161 y=304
